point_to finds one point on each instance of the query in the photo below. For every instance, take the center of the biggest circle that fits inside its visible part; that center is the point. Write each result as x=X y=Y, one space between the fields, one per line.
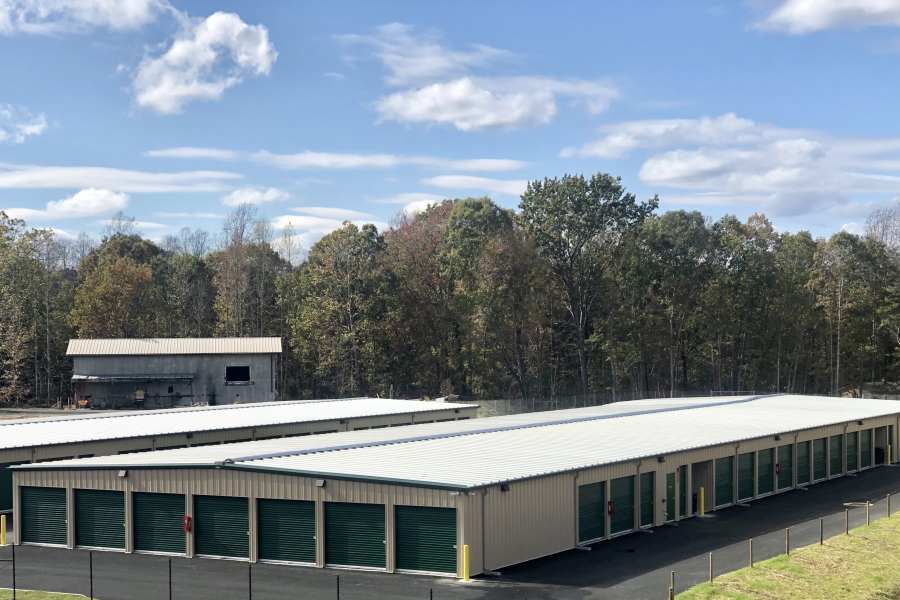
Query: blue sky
x=318 y=112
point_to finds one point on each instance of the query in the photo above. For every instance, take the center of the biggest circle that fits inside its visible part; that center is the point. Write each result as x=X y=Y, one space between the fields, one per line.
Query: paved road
x=635 y=567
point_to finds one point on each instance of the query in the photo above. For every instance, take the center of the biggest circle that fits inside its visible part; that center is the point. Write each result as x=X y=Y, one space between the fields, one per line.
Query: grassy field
x=862 y=566
x=30 y=595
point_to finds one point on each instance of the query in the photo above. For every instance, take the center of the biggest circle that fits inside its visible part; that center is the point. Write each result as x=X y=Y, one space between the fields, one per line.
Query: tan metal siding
x=533 y=519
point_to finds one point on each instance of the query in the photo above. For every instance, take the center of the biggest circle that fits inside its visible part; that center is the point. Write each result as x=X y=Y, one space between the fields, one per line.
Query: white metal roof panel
x=17 y=433
x=476 y=453
x=173 y=346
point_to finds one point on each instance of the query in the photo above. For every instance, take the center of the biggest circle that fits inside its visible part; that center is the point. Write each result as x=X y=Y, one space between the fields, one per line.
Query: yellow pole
x=702 y=502
x=2 y=530
x=465 y=571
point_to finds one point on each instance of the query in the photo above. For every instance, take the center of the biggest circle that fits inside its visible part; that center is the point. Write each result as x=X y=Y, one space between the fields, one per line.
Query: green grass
x=862 y=566
x=6 y=594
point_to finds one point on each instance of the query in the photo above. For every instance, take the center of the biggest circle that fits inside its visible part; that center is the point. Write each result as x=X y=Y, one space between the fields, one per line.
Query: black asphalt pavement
x=633 y=567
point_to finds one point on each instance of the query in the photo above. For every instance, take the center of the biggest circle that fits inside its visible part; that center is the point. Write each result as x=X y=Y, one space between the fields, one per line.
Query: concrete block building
x=167 y=372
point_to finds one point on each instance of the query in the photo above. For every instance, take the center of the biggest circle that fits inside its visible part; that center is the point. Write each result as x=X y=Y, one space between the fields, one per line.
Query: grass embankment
x=31 y=595
x=862 y=566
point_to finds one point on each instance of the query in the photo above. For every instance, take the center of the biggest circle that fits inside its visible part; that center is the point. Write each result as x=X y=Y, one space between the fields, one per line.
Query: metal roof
x=173 y=346
x=480 y=452
x=16 y=433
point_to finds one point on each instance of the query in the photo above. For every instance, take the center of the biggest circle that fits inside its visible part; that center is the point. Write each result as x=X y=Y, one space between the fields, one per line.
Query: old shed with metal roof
x=453 y=497
x=123 y=433
x=167 y=372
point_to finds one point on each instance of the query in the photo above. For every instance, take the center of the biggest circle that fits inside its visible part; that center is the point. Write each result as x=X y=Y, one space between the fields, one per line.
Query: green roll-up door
x=819 y=459
x=354 y=535
x=684 y=498
x=221 y=524
x=865 y=448
x=286 y=530
x=426 y=538
x=100 y=519
x=670 y=496
x=803 y=463
x=724 y=481
x=648 y=497
x=158 y=525
x=852 y=451
x=591 y=511
x=621 y=494
x=785 y=466
x=836 y=455
x=745 y=475
x=765 y=475
x=43 y=515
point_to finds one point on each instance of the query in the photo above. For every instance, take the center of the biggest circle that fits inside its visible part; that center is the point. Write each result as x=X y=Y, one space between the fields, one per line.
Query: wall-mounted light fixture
x=320 y=483
x=504 y=487
x=122 y=474
x=660 y=459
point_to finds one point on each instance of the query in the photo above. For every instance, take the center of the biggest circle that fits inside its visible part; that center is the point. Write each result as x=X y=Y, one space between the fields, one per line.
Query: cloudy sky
x=175 y=112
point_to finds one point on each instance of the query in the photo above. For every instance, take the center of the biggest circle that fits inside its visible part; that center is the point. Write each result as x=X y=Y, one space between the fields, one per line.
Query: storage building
x=118 y=433
x=167 y=372
x=435 y=498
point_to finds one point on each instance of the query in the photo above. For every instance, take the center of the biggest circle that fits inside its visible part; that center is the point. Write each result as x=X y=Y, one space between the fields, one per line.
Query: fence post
x=787 y=541
x=672 y=585
x=250 y=581
x=170 y=579
x=751 y=552
x=868 y=504
x=91 y=572
x=14 y=570
x=888 y=504
x=821 y=531
x=846 y=521
x=710 y=568
x=337 y=580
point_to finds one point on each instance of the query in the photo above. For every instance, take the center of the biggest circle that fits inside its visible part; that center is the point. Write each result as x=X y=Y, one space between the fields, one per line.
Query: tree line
x=584 y=289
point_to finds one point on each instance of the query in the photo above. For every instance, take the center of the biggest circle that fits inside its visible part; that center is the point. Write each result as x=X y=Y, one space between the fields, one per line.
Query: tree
x=115 y=301
x=337 y=323
x=576 y=225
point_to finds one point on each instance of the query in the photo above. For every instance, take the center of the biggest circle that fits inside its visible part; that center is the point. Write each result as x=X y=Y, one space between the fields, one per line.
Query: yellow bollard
x=702 y=502
x=465 y=572
x=2 y=530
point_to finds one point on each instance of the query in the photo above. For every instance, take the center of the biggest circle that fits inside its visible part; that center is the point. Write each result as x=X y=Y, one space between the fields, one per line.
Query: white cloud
x=330 y=212
x=729 y=160
x=89 y=202
x=439 y=88
x=332 y=160
x=189 y=215
x=808 y=16
x=205 y=59
x=410 y=197
x=621 y=138
x=418 y=206
x=18 y=124
x=15 y=176
x=470 y=103
x=67 y=16
x=511 y=187
x=251 y=195
x=411 y=56
x=190 y=152
x=341 y=160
